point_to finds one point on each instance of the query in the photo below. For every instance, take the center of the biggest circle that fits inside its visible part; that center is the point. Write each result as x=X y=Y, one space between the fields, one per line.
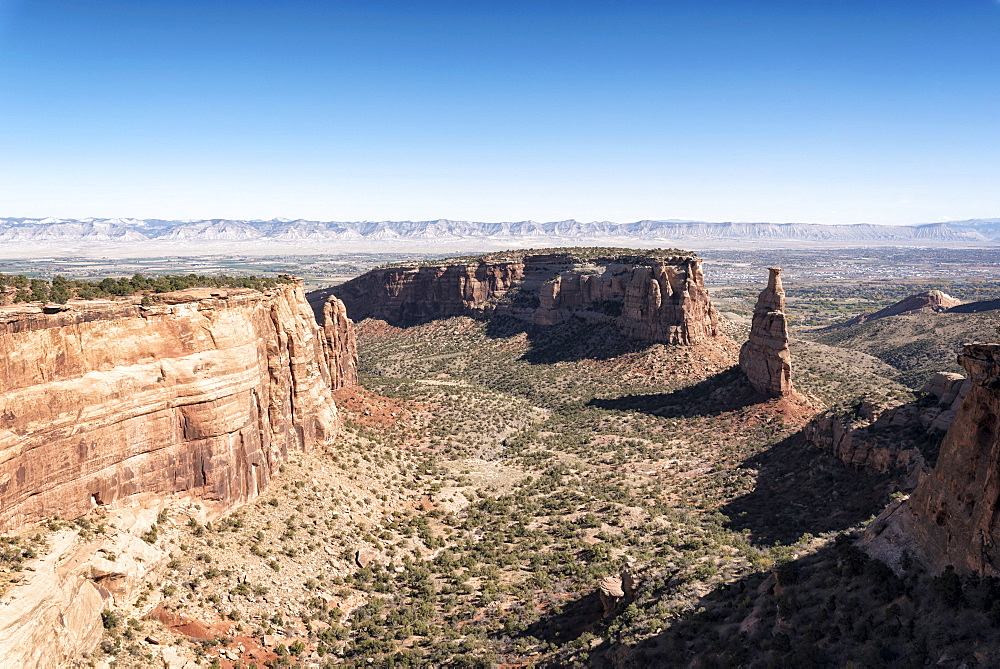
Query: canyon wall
x=883 y=436
x=953 y=515
x=203 y=392
x=765 y=357
x=657 y=298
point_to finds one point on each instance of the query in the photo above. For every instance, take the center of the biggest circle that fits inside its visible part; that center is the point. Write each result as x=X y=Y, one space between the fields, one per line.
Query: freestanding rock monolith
x=765 y=358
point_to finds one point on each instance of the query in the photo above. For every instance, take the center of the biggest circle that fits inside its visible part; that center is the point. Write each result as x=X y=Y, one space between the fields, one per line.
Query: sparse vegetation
x=19 y=288
x=486 y=479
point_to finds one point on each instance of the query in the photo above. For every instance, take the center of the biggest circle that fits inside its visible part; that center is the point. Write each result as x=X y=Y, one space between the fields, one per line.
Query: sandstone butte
x=765 y=357
x=651 y=297
x=116 y=405
x=203 y=393
x=951 y=516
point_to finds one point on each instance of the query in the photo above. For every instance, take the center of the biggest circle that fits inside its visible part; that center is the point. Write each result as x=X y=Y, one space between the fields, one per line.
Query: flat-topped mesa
x=203 y=393
x=656 y=297
x=765 y=357
x=951 y=517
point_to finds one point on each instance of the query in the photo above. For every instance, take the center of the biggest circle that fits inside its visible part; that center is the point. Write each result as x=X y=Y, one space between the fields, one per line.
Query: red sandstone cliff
x=652 y=298
x=204 y=393
x=765 y=357
x=953 y=516
x=879 y=437
x=407 y=295
x=340 y=344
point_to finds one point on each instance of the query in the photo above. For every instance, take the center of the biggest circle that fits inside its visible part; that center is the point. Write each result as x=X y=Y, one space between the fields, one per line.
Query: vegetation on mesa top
x=576 y=253
x=20 y=288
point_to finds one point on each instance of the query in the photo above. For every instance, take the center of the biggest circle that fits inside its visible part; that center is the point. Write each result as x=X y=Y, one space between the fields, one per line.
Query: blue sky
x=828 y=111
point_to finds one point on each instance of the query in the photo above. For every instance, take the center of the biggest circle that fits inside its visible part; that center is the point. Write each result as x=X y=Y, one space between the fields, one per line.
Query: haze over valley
x=130 y=237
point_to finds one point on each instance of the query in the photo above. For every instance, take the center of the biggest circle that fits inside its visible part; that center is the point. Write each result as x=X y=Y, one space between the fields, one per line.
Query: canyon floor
x=487 y=479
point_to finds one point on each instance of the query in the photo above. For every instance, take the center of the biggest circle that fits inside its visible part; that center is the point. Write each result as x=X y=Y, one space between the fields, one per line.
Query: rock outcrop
x=953 y=515
x=204 y=393
x=652 y=297
x=54 y=615
x=871 y=437
x=884 y=436
x=340 y=344
x=948 y=391
x=931 y=300
x=765 y=357
x=614 y=591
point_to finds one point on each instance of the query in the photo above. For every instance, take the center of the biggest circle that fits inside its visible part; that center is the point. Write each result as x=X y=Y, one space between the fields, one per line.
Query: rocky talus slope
x=657 y=298
x=765 y=357
x=203 y=392
x=952 y=516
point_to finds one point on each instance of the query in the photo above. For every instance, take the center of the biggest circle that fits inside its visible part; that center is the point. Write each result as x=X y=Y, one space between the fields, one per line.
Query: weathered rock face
x=204 y=392
x=409 y=295
x=949 y=391
x=340 y=344
x=652 y=298
x=613 y=591
x=765 y=357
x=953 y=516
x=879 y=437
x=56 y=614
x=872 y=437
x=53 y=617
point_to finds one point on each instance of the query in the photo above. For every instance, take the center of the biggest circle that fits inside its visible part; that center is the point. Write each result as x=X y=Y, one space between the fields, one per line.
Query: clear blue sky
x=830 y=111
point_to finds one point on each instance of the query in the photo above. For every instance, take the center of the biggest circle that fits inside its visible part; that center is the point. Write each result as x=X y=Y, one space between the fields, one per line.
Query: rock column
x=340 y=344
x=765 y=358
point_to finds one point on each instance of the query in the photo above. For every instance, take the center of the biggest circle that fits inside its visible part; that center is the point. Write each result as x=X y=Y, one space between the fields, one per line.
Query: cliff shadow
x=828 y=608
x=570 y=621
x=722 y=393
x=801 y=489
x=569 y=341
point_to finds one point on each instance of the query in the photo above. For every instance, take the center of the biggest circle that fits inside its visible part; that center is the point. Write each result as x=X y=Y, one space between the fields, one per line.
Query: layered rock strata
x=765 y=357
x=205 y=392
x=884 y=436
x=953 y=515
x=657 y=298
x=340 y=344
x=54 y=616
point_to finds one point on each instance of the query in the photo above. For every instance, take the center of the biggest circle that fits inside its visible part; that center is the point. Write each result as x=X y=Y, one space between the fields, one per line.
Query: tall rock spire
x=765 y=358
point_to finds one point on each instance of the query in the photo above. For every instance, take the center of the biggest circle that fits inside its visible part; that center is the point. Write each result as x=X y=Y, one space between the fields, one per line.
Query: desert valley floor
x=503 y=495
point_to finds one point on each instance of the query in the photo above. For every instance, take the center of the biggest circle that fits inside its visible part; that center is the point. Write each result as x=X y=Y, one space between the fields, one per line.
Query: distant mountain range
x=19 y=231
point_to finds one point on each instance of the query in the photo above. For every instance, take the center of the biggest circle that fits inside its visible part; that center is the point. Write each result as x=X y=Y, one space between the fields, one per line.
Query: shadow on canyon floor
x=719 y=394
x=568 y=341
x=569 y=622
x=775 y=618
x=800 y=490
